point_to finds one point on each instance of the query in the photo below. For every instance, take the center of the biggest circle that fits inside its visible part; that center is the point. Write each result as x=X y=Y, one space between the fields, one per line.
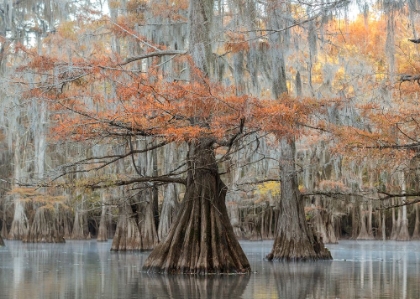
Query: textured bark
x=169 y=208
x=170 y=203
x=3 y=232
x=146 y=220
x=80 y=226
x=103 y=228
x=403 y=234
x=295 y=239
x=364 y=229
x=234 y=216
x=381 y=224
x=323 y=225
x=201 y=240
x=45 y=227
x=20 y=223
x=416 y=232
x=268 y=222
x=395 y=224
x=127 y=234
x=355 y=214
x=66 y=221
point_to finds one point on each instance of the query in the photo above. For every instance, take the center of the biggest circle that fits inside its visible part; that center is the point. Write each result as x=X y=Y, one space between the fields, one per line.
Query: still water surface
x=87 y=269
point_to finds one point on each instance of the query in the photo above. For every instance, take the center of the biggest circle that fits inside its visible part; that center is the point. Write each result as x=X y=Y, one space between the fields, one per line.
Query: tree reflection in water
x=197 y=286
x=87 y=269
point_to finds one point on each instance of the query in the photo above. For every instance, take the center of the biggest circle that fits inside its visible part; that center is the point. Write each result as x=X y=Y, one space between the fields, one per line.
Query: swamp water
x=87 y=269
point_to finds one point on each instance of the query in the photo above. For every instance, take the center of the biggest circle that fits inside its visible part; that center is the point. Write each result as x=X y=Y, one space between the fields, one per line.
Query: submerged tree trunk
x=20 y=223
x=103 y=229
x=201 y=239
x=146 y=220
x=170 y=193
x=45 y=227
x=395 y=223
x=80 y=226
x=147 y=207
x=355 y=216
x=169 y=209
x=3 y=232
x=323 y=225
x=403 y=234
x=365 y=224
x=416 y=232
x=295 y=239
x=65 y=220
x=127 y=234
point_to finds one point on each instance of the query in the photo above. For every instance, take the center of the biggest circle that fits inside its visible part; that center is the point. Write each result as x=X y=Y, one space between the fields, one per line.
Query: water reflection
x=214 y=287
x=87 y=269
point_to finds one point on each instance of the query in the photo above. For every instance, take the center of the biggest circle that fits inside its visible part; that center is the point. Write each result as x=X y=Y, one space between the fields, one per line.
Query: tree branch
x=152 y=54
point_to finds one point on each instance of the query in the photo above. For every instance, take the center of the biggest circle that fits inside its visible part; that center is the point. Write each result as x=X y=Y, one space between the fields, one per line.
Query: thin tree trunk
x=395 y=223
x=201 y=240
x=4 y=232
x=295 y=239
x=66 y=221
x=355 y=214
x=403 y=234
x=1 y=242
x=383 y=226
x=103 y=228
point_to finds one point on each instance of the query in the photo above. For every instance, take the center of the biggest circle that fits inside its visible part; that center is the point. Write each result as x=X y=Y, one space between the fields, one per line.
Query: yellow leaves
x=269 y=189
x=67 y=30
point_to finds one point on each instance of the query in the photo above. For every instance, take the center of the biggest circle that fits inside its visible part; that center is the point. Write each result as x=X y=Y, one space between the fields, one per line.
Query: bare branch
x=153 y=54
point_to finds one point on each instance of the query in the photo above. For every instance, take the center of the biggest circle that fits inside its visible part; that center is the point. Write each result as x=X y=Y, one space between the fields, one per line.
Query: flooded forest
x=180 y=127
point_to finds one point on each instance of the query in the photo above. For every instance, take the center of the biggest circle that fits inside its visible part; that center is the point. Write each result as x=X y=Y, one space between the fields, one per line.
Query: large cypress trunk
x=3 y=232
x=127 y=235
x=295 y=239
x=80 y=226
x=201 y=239
x=146 y=220
x=45 y=227
x=416 y=232
x=365 y=230
x=20 y=223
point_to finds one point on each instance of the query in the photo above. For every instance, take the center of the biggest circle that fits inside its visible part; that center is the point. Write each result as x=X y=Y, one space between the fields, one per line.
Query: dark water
x=87 y=269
